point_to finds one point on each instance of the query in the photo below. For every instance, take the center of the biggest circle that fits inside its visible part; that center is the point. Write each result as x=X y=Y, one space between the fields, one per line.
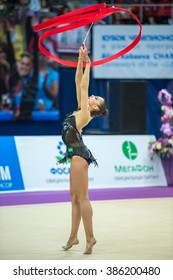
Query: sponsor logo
x=133 y=168
x=61 y=147
x=10 y=172
x=129 y=150
x=5 y=177
x=60 y=171
x=61 y=150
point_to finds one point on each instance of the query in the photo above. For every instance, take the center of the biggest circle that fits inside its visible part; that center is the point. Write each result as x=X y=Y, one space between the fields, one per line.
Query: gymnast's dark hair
x=101 y=112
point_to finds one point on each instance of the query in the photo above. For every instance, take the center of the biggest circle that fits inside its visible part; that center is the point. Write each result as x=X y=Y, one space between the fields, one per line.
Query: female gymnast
x=80 y=155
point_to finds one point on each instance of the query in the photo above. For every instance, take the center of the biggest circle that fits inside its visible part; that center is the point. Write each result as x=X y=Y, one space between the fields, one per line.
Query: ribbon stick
x=78 y=18
x=87 y=33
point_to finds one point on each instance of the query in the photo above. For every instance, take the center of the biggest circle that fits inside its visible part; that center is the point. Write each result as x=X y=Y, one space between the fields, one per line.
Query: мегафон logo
x=129 y=150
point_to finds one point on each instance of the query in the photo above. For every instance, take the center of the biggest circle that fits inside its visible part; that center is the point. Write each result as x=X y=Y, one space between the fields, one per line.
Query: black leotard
x=74 y=142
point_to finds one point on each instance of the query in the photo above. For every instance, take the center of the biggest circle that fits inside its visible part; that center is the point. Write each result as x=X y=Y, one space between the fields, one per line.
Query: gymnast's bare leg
x=81 y=205
x=79 y=178
x=75 y=219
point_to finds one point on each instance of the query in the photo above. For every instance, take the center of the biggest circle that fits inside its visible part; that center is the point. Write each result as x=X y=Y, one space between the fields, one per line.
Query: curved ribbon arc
x=81 y=20
x=67 y=28
x=126 y=49
x=59 y=19
x=86 y=21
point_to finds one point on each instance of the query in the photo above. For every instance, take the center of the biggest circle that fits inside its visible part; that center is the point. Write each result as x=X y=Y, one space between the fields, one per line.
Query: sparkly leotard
x=74 y=142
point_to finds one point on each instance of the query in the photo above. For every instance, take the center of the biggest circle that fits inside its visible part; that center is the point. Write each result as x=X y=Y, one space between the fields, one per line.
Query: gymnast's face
x=95 y=101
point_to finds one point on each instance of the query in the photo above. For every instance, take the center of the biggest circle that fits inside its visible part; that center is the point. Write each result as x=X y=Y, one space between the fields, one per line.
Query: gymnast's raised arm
x=85 y=87
x=78 y=76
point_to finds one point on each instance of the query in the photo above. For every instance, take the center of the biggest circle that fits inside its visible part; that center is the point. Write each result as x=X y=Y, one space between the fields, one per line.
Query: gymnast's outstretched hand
x=83 y=54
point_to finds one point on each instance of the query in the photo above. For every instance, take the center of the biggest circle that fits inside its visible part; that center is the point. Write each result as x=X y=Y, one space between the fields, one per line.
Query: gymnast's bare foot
x=89 y=245
x=70 y=243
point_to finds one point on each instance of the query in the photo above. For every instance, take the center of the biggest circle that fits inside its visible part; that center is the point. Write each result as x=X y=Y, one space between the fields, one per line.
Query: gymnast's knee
x=83 y=199
x=73 y=197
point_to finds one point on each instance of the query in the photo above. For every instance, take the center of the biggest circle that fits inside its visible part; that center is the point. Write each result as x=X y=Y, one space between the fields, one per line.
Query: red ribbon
x=78 y=18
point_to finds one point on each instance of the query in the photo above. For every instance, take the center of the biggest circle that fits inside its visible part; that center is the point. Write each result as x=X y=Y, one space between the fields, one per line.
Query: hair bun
x=105 y=113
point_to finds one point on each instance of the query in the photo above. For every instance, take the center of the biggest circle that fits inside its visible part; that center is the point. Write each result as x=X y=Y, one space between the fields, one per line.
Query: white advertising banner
x=123 y=162
x=152 y=58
